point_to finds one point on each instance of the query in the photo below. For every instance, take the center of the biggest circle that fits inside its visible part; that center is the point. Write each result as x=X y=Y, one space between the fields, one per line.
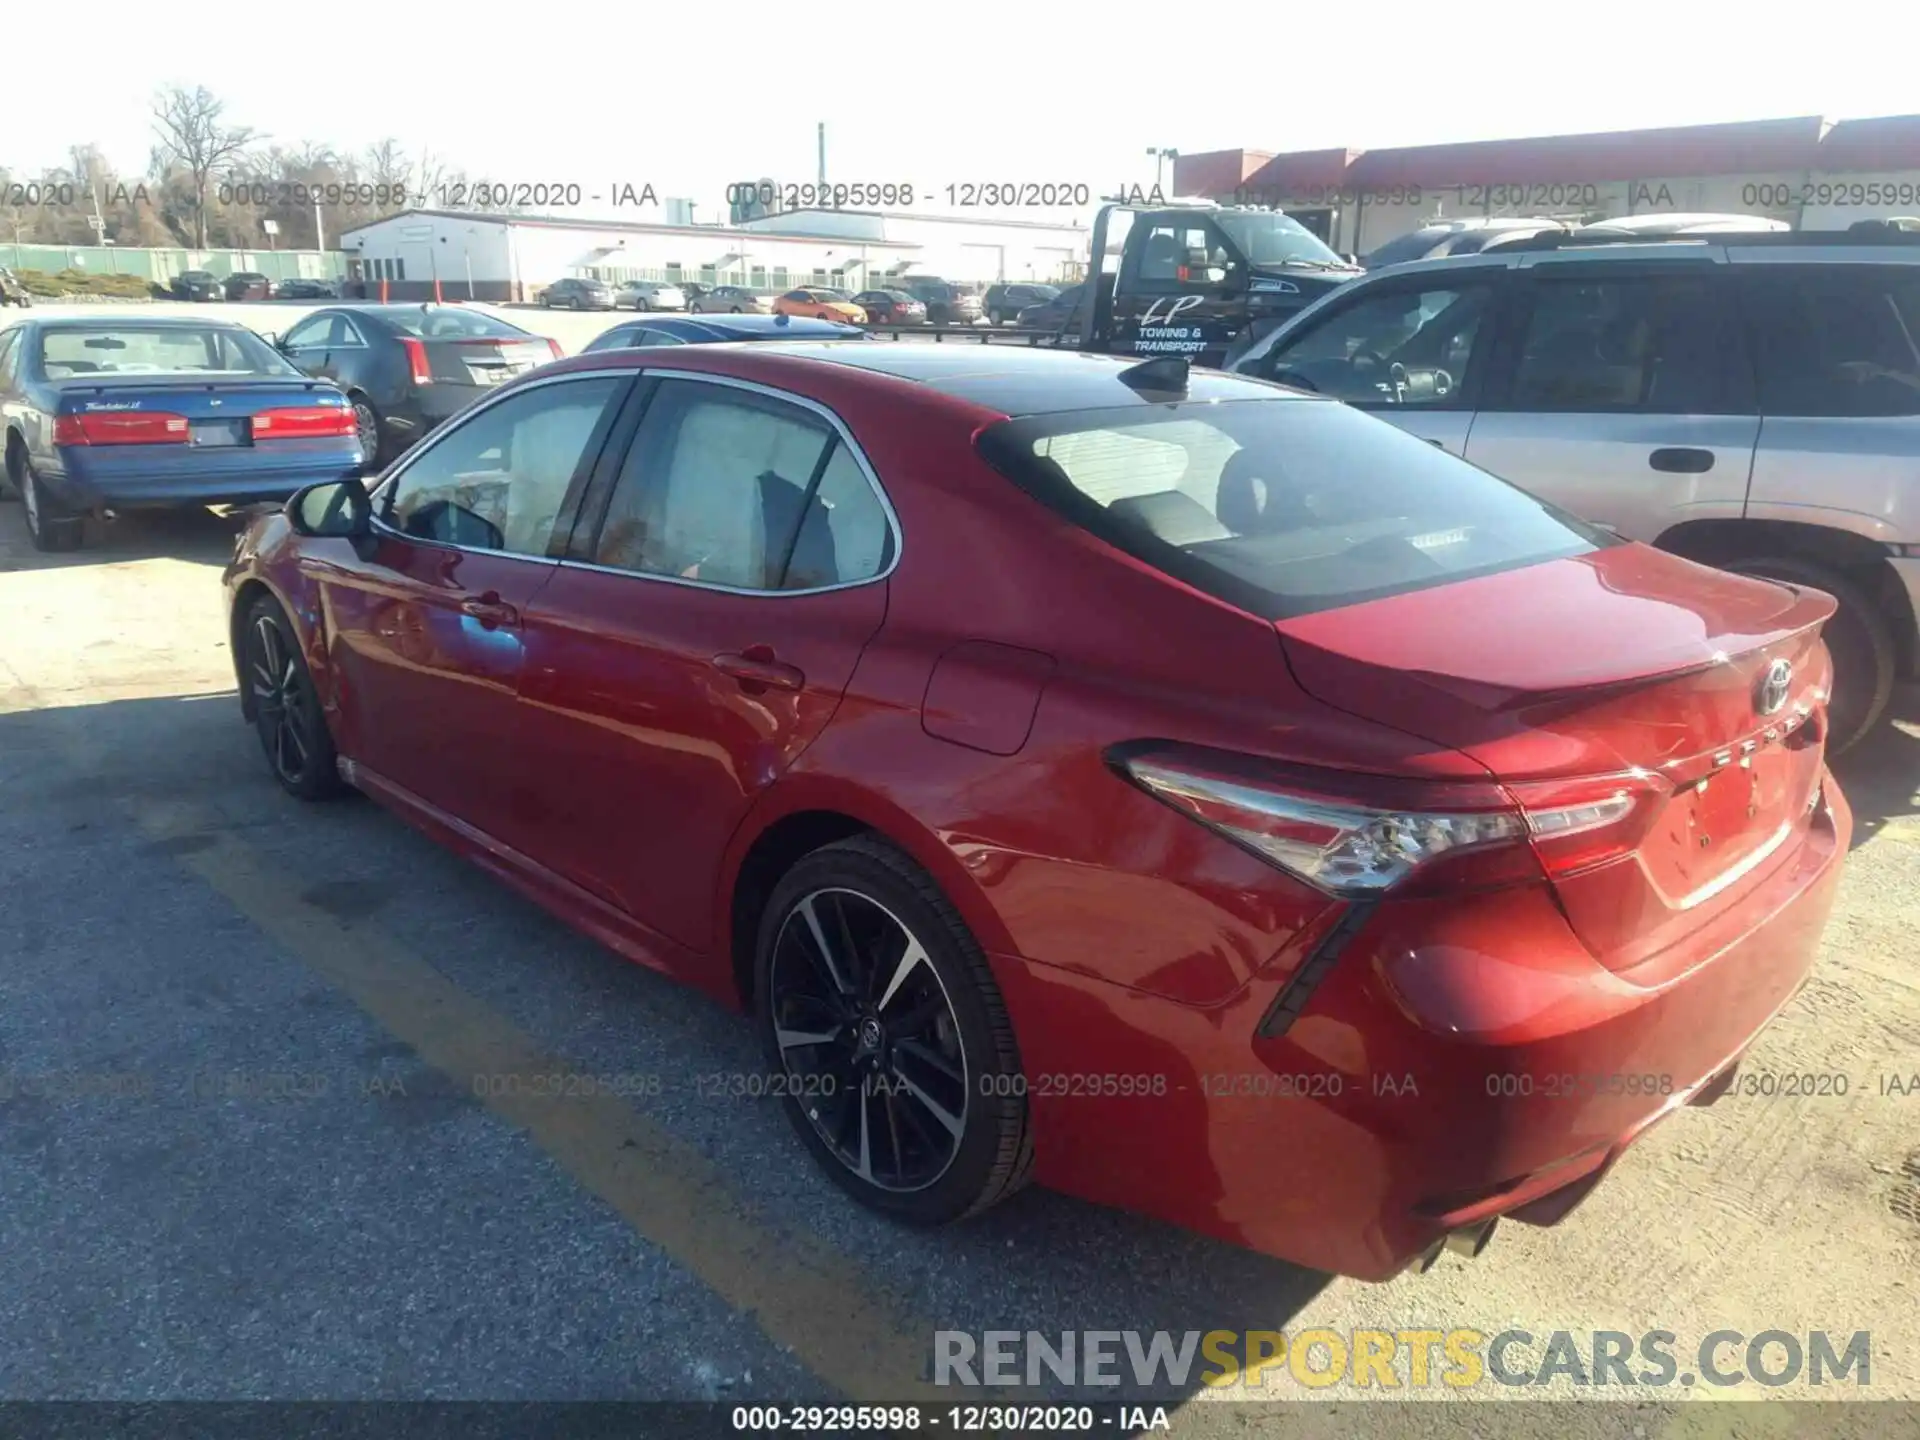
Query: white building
x=462 y=255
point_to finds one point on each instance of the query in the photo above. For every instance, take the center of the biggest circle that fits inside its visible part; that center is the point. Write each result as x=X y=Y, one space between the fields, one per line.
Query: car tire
x=50 y=528
x=734 y=311
x=366 y=422
x=943 y=1095
x=284 y=706
x=1860 y=638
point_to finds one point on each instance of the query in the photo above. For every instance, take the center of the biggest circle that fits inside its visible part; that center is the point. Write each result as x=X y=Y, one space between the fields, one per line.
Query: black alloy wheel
x=881 y=1019
x=285 y=707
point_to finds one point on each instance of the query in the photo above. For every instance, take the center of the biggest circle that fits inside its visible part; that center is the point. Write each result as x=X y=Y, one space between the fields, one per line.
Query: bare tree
x=192 y=135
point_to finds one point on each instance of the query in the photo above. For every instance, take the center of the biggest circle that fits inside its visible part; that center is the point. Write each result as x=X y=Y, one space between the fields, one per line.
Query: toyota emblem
x=1773 y=688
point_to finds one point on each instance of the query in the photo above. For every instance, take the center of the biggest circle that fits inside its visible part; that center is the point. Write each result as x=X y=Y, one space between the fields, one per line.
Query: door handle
x=757 y=670
x=1682 y=460
x=1437 y=444
x=490 y=610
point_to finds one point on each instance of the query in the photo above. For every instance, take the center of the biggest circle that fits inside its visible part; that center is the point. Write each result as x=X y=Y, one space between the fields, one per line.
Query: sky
x=982 y=92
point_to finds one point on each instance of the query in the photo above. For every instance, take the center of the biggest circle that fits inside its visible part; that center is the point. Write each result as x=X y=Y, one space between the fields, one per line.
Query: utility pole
x=319 y=228
x=823 y=154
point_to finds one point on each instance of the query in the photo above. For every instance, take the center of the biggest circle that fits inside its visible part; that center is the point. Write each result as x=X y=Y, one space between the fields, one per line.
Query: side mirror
x=333 y=508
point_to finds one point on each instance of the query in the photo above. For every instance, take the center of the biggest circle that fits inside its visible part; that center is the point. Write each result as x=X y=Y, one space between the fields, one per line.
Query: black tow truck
x=1189 y=278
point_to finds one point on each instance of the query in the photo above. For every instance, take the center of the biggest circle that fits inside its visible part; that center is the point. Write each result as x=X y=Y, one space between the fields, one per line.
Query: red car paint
x=1474 y=1049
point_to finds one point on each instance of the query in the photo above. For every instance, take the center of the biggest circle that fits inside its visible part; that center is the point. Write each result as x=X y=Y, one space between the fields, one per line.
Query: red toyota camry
x=1189 y=794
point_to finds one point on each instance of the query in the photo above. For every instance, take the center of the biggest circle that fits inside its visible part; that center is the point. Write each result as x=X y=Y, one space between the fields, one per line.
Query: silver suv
x=1748 y=401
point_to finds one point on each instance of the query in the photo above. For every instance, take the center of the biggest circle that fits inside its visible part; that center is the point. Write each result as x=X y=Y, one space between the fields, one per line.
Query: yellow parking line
x=804 y=1295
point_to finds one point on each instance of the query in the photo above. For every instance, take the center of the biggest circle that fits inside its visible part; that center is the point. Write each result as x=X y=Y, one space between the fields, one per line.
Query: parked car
x=198 y=285
x=109 y=415
x=572 y=293
x=1404 y=799
x=649 y=295
x=734 y=300
x=891 y=307
x=1062 y=312
x=299 y=288
x=1456 y=237
x=817 y=302
x=12 y=291
x=712 y=329
x=1747 y=400
x=1651 y=226
x=406 y=368
x=1002 y=304
x=248 y=285
x=948 y=302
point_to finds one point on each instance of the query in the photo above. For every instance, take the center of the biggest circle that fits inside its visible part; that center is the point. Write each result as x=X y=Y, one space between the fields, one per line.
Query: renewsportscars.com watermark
x=1411 y=1359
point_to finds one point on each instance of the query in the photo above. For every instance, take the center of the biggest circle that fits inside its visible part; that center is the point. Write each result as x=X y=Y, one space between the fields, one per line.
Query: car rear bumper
x=1457 y=1060
x=246 y=474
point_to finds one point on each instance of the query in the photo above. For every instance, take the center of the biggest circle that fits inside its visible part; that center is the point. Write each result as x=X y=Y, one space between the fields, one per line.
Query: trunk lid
x=1624 y=662
x=485 y=360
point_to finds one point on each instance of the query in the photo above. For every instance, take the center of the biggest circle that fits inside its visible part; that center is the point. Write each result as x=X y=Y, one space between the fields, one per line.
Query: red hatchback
x=1192 y=795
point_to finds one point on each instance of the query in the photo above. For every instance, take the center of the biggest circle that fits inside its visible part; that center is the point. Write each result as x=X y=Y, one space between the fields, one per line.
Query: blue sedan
x=719 y=329
x=110 y=414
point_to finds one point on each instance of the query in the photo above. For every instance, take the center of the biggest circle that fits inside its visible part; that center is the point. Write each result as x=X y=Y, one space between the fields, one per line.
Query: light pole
x=1160 y=158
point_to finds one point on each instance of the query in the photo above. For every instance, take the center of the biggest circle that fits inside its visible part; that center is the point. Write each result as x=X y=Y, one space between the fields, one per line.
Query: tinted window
x=738 y=489
x=498 y=480
x=1394 y=345
x=133 y=350
x=8 y=357
x=1283 y=506
x=1407 y=247
x=1649 y=342
x=1836 y=340
x=1180 y=254
x=453 y=322
x=315 y=333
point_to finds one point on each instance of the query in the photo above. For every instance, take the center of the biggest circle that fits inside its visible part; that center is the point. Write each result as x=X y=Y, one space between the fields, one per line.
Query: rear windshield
x=1282 y=507
x=152 y=350
x=453 y=324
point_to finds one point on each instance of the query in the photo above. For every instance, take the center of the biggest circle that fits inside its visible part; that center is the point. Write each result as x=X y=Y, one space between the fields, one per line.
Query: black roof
x=750 y=327
x=1025 y=379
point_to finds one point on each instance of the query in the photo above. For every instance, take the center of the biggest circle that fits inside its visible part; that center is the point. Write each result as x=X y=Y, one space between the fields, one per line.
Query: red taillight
x=554 y=345
x=417 y=360
x=1363 y=835
x=120 y=427
x=303 y=422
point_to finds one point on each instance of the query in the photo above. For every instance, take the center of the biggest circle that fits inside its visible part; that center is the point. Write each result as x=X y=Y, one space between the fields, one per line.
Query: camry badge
x=1773 y=688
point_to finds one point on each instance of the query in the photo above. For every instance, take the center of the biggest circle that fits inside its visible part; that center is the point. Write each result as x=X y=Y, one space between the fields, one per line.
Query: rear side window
x=1836 y=340
x=1653 y=343
x=733 y=488
x=1280 y=507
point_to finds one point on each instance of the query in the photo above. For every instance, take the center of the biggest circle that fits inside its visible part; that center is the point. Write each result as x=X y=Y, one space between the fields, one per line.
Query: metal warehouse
x=420 y=253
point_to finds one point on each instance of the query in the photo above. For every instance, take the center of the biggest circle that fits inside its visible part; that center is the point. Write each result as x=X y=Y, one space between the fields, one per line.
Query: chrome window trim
x=460 y=422
x=846 y=438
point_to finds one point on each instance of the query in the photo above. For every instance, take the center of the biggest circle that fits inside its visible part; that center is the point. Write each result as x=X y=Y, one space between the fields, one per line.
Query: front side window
x=1283 y=506
x=1398 y=345
x=733 y=488
x=315 y=333
x=1837 y=340
x=1650 y=343
x=499 y=480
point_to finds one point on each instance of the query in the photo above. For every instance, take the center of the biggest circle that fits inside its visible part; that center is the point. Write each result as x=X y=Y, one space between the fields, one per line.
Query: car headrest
x=1171 y=515
x=1244 y=490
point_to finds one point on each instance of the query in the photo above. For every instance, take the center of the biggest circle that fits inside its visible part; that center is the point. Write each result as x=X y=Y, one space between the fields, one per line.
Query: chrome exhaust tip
x=1471 y=1240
